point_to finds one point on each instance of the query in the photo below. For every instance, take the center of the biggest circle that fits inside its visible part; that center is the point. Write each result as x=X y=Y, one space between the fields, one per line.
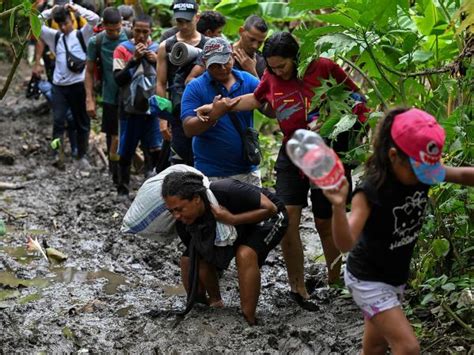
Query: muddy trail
x=100 y=298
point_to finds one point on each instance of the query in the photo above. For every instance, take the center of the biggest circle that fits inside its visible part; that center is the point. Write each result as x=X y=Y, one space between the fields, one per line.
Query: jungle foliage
x=401 y=53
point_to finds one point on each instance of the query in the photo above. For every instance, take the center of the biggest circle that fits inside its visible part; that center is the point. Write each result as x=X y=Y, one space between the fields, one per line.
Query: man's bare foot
x=216 y=303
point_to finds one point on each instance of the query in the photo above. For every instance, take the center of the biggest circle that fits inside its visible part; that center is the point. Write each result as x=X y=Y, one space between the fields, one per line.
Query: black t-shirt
x=237 y=197
x=168 y=33
x=384 y=250
x=260 y=67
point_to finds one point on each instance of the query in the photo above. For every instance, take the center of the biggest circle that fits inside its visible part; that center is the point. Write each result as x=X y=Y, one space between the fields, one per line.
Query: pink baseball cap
x=420 y=137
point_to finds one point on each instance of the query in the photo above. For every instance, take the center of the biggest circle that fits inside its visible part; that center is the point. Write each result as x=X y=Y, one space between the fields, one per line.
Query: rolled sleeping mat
x=182 y=54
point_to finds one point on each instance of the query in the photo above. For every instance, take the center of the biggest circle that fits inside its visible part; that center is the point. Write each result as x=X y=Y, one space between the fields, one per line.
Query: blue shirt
x=218 y=151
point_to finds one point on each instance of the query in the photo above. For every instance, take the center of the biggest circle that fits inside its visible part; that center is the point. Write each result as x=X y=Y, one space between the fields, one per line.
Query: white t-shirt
x=62 y=75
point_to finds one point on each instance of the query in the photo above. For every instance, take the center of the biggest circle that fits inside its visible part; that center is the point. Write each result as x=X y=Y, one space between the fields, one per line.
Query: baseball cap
x=216 y=51
x=419 y=136
x=185 y=9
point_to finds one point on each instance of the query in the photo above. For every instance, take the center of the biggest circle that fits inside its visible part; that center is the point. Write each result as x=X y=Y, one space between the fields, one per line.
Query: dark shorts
x=292 y=187
x=110 y=119
x=261 y=237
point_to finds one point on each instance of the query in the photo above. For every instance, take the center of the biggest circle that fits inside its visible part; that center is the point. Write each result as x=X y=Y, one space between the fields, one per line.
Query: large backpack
x=141 y=88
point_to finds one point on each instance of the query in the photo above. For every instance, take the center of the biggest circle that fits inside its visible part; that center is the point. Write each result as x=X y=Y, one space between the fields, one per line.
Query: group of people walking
x=212 y=102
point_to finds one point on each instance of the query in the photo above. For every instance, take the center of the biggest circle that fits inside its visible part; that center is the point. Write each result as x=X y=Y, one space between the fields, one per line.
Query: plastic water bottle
x=318 y=162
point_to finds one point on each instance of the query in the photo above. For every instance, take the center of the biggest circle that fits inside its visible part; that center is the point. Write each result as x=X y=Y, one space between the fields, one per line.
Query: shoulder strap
x=98 y=45
x=65 y=46
x=56 y=39
x=232 y=115
x=80 y=37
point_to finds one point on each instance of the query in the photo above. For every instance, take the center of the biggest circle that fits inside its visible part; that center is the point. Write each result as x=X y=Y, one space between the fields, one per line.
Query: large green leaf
x=345 y=123
x=337 y=19
x=328 y=126
x=337 y=42
x=431 y=19
x=12 y=23
x=35 y=24
x=308 y=5
x=440 y=247
x=273 y=10
x=231 y=28
x=317 y=32
x=238 y=8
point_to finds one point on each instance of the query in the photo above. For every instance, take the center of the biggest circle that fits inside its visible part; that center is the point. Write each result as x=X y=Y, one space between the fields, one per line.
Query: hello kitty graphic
x=408 y=219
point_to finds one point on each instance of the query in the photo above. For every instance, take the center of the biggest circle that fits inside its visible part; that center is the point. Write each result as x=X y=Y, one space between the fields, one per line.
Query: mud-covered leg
x=249 y=281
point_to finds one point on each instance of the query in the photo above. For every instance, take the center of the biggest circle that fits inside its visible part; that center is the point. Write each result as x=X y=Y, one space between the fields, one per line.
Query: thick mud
x=100 y=298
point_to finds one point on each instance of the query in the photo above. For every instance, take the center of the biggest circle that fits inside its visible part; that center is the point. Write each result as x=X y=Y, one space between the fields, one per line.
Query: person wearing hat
x=387 y=213
x=217 y=145
x=246 y=50
x=170 y=78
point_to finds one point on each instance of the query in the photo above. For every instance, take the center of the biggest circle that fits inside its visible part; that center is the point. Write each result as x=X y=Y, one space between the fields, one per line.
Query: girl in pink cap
x=387 y=213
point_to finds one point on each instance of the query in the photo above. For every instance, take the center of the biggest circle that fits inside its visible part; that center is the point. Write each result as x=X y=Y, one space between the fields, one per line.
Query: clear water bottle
x=318 y=162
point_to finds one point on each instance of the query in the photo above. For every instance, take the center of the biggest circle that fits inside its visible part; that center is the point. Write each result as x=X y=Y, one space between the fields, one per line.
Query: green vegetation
x=400 y=52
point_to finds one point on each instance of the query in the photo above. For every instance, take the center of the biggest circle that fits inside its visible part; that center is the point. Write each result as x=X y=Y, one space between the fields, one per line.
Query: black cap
x=185 y=9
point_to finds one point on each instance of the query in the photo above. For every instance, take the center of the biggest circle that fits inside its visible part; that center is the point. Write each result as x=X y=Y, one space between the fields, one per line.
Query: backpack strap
x=233 y=117
x=80 y=37
x=98 y=50
x=56 y=39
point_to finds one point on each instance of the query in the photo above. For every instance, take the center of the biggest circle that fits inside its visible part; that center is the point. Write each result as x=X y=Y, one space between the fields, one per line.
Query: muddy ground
x=99 y=299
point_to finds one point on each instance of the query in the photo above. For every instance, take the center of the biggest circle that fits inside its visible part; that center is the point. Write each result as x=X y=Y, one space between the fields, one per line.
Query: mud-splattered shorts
x=373 y=297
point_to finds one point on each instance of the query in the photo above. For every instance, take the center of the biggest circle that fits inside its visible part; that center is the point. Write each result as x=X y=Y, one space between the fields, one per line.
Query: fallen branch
x=10 y=186
x=14 y=216
x=456 y=318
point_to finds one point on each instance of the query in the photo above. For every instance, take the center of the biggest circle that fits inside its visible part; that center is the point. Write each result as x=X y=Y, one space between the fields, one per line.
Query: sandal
x=305 y=304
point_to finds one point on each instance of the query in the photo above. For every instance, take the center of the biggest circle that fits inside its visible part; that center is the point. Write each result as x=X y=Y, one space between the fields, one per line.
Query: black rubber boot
x=82 y=144
x=123 y=179
x=149 y=165
x=114 y=171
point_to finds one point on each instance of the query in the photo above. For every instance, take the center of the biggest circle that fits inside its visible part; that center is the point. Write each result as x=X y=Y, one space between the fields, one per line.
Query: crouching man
x=258 y=216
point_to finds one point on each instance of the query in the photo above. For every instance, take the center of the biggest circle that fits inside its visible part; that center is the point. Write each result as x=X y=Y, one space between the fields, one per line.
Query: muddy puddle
x=99 y=300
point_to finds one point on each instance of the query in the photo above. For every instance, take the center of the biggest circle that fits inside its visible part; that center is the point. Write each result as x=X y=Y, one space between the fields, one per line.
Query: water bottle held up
x=320 y=163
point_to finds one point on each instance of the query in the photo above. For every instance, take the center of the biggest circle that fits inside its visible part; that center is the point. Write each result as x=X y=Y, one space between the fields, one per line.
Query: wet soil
x=100 y=298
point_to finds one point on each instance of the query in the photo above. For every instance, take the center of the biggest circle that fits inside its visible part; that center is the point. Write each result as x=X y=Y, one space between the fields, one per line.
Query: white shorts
x=373 y=297
x=252 y=178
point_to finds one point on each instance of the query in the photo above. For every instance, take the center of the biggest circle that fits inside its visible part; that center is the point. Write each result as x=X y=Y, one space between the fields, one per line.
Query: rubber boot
x=114 y=171
x=123 y=179
x=82 y=144
x=149 y=166
x=72 y=135
x=112 y=148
